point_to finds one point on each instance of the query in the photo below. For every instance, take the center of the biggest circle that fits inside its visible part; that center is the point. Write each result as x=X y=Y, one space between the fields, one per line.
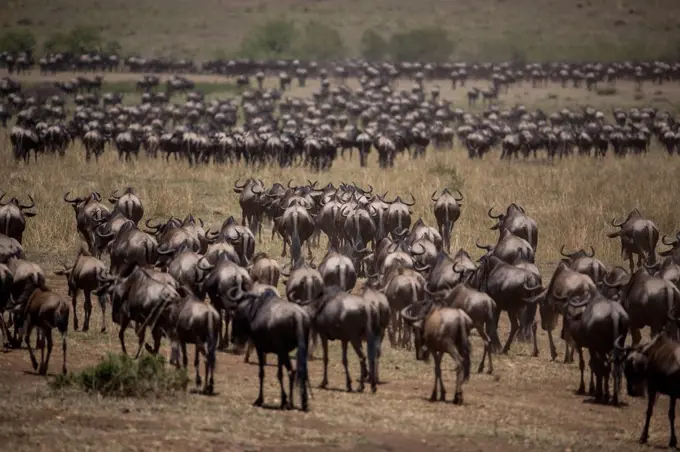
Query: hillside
x=484 y=29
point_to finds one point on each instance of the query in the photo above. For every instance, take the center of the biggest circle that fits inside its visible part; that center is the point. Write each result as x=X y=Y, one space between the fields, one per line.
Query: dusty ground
x=528 y=404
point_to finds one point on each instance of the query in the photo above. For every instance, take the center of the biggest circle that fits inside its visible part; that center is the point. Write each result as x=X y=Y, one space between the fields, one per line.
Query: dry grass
x=484 y=29
x=530 y=404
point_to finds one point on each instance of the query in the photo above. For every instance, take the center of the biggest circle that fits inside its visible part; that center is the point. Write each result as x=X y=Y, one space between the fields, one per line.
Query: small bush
x=373 y=45
x=273 y=39
x=421 y=44
x=119 y=375
x=320 y=42
x=80 y=39
x=16 y=41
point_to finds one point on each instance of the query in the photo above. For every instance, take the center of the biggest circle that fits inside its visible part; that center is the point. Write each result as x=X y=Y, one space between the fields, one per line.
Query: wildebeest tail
x=61 y=316
x=372 y=342
x=295 y=244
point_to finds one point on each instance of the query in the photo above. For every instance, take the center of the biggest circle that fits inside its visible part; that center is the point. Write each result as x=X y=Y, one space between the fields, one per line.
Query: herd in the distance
x=180 y=280
x=265 y=126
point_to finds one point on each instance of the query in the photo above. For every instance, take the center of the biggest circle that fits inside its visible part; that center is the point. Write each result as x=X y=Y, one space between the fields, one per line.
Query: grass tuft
x=118 y=375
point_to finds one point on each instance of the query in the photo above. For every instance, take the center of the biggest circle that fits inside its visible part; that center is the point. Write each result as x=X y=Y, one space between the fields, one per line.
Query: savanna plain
x=528 y=403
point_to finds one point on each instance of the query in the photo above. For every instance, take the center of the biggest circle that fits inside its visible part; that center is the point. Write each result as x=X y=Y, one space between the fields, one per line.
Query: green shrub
x=81 y=39
x=273 y=39
x=16 y=41
x=373 y=45
x=320 y=42
x=118 y=375
x=421 y=44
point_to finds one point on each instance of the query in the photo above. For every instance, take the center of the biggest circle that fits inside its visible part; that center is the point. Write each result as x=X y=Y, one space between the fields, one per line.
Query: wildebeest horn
x=166 y=252
x=208 y=268
x=290 y=186
x=22 y=207
x=236 y=185
x=491 y=215
x=382 y=198
x=565 y=254
x=483 y=247
x=151 y=226
x=433 y=198
x=200 y=221
x=97 y=197
x=406 y=315
x=261 y=183
x=283 y=272
x=592 y=251
x=259 y=190
x=663 y=240
x=418 y=254
x=411 y=203
x=459 y=194
x=4 y=203
x=342 y=211
x=580 y=303
x=114 y=197
x=618 y=225
x=70 y=201
x=531 y=289
x=424 y=268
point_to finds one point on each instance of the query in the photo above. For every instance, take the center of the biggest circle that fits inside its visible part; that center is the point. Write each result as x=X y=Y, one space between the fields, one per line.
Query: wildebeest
x=639 y=236
x=440 y=330
x=446 y=211
x=516 y=221
x=13 y=216
x=128 y=204
x=89 y=213
x=274 y=326
x=191 y=321
x=656 y=363
x=82 y=275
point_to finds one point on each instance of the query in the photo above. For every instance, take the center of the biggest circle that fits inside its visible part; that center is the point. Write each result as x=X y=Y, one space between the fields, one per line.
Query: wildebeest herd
x=179 y=280
x=264 y=126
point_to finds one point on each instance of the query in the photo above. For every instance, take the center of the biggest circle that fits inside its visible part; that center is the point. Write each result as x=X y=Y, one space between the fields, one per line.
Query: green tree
x=373 y=45
x=17 y=41
x=420 y=44
x=320 y=42
x=273 y=39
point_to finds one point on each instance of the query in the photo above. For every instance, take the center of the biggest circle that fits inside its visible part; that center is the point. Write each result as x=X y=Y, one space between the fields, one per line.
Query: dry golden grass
x=528 y=404
x=484 y=29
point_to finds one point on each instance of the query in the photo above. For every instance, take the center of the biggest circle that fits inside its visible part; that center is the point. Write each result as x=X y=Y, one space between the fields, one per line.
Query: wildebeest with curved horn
x=639 y=236
x=90 y=212
x=600 y=325
x=446 y=211
x=13 y=216
x=273 y=326
x=251 y=206
x=128 y=204
x=585 y=263
x=440 y=330
x=516 y=221
x=399 y=216
x=348 y=318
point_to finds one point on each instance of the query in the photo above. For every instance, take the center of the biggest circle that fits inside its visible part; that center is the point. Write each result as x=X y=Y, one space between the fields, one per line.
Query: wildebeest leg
x=581 y=366
x=27 y=338
x=651 y=400
x=87 y=306
x=198 y=349
x=222 y=341
x=50 y=343
x=391 y=327
x=261 y=361
x=291 y=381
x=74 y=301
x=102 y=306
x=284 y=360
x=63 y=350
x=591 y=387
x=607 y=371
x=141 y=336
x=487 y=351
x=514 y=327
x=157 y=335
x=324 y=346
x=185 y=358
x=671 y=418
x=437 y=376
x=455 y=355
x=534 y=328
x=356 y=344
x=345 y=364
x=495 y=340
x=249 y=347
x=124 y=322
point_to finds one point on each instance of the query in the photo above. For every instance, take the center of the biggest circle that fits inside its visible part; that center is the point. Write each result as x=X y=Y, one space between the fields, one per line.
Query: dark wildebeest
x=638 y=236
x=13 y=216
x=274 y=326
x=657 y=364
x=446 y=212
x=517 y=222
